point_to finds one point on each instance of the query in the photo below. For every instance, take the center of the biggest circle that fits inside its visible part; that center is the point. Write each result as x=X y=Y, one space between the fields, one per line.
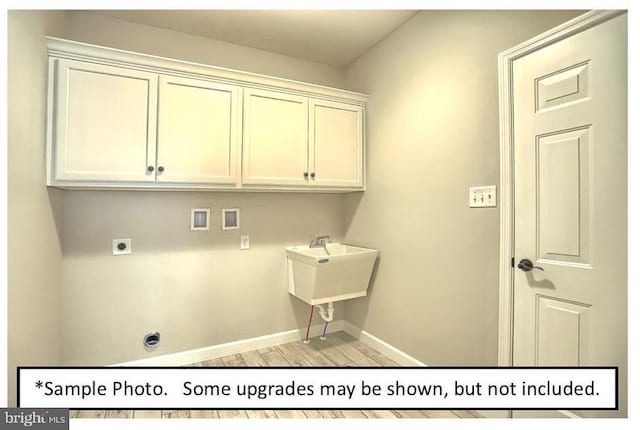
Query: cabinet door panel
x=198 y=130
x=275 y=150
x=105 y=123
x=335 y=144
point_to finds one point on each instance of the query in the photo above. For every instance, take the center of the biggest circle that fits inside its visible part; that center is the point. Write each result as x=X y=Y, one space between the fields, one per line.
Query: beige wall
x=196 y=288
x=34 y=251
x=102 y=30
x=432 y=132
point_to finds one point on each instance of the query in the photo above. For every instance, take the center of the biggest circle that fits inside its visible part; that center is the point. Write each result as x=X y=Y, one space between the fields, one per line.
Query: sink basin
x=341 y=272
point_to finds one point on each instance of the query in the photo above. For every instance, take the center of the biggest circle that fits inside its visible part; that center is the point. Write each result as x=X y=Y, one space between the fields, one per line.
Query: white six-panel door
x=275 y=149
x=198 y=131
x=570 y=147
x=105 y=128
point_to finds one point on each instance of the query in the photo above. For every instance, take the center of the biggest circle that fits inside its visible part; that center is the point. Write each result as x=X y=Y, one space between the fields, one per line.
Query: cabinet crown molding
x=68 y=49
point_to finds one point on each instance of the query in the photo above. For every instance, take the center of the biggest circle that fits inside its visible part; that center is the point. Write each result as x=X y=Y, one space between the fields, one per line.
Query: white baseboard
x=245 y=345
x=400 y=357
x=236 y=347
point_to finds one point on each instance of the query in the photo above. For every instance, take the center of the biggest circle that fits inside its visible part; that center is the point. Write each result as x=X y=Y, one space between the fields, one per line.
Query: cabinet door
x=105 y=123
x=336 y=144
x=274 y=146
x=198 y=131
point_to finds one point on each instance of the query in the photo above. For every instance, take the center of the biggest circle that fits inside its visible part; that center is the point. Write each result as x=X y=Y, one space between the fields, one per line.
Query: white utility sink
x=340 y=272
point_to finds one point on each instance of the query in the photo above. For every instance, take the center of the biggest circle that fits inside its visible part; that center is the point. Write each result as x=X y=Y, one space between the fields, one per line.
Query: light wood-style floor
x=339 y=349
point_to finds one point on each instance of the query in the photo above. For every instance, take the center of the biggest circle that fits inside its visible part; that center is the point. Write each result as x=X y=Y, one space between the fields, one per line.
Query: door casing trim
x=505 y=89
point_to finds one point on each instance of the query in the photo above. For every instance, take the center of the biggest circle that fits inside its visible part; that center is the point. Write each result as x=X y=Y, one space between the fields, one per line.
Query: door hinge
x=513 y=262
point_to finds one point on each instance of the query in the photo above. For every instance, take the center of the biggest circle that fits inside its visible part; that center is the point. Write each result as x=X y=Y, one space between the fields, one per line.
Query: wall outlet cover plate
x=244 y=242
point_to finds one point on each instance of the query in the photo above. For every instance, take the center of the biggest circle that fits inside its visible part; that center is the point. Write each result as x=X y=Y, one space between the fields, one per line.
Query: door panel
x=105 y=124
x=561 y=329
x=570 y=147
x=336 y=144
x=275 y=150
x=564 y=195
x=562 y=87
x=198 y=131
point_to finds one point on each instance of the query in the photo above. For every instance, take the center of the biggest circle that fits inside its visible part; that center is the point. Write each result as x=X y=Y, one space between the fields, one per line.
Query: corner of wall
x=432 y=115
x=34 y=212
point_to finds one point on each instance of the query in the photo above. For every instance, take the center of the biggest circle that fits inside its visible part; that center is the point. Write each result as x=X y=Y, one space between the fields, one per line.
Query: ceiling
x=335 y=37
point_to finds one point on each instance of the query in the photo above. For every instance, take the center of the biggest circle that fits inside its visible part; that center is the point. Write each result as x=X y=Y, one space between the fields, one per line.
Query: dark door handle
x=527 y=265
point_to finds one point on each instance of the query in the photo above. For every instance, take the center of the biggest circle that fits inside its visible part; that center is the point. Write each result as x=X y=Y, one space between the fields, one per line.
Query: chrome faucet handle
x=323 y=240
x=319 y=241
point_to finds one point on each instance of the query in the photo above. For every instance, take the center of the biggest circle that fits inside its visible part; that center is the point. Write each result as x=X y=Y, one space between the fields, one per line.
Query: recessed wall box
x=200 y=219
x=121 y=246
x=151 y=340
x=230 y=219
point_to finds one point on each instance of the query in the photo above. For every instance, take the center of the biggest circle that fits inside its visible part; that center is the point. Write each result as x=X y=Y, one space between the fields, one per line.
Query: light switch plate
x=117 y=244
x=482 y=197
x=244 y=242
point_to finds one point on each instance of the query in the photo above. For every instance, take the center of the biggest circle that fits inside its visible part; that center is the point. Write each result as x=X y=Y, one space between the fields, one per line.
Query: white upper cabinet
x=105 y=123
x=274 y=149
x=119 y=119
x=336 y=144
x=198 y=131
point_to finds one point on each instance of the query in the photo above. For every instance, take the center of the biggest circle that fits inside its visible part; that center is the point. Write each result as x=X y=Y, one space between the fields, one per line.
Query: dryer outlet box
x=121 y=246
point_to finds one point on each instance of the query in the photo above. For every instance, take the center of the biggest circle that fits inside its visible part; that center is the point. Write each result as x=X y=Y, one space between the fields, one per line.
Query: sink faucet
x=320 y=242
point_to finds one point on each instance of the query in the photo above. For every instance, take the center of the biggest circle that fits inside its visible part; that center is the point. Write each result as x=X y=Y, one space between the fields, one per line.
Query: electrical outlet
x=244 y=242
x=121 y=246
x=482 y=197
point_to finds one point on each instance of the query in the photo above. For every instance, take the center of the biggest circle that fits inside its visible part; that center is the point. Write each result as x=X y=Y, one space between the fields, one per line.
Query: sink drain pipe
x=326 y=313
